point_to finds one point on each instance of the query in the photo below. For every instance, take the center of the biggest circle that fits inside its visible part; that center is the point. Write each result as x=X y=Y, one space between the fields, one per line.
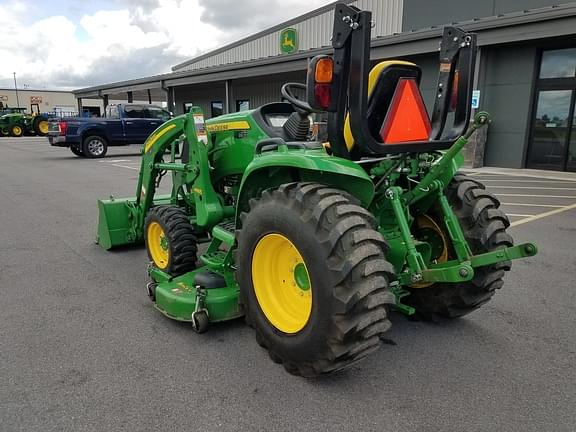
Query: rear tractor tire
x=313 y=278
x=484 y=226
x=94 y=146
x=40 y=125
x=170 y=240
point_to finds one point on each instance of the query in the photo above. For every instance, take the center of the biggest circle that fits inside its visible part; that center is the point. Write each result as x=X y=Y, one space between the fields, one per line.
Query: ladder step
x=225 y=233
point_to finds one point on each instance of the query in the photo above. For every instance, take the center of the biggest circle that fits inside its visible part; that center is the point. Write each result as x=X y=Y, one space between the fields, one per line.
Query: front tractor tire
x=484 y=226
x=170 y=240
x=16 y=131
x=313 y=278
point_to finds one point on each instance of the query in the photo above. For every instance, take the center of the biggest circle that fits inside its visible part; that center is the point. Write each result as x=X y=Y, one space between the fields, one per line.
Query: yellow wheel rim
x=281 y=283
x=158 y=245
x=427 y=222
x=43 y=127
x=17 y=130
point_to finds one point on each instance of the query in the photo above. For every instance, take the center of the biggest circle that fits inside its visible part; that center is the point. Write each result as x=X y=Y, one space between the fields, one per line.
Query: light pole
x=16 y=88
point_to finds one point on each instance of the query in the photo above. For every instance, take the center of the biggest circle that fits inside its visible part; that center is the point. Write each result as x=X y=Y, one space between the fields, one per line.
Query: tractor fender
x=272 y=169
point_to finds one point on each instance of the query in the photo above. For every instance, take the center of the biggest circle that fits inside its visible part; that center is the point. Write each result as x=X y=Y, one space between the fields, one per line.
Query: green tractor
x=15 y=122
x=314 y=241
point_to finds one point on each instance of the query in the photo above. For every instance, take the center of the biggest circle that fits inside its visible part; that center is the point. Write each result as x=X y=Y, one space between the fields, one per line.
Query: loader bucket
x=114 y=223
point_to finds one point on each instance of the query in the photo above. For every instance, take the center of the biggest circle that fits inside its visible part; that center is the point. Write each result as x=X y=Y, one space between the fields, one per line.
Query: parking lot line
x=538 y=196
x=125 y=166
x=543 y=215
x=519 y=215
x=570 y=182
x=531 y=187
x=531 y=205
x=548 y=175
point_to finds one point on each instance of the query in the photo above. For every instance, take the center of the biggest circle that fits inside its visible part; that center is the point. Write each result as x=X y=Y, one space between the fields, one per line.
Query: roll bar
x=351 y=43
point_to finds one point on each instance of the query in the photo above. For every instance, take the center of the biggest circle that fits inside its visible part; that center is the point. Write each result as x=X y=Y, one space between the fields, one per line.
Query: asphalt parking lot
x=82 y=349
x=527 y=198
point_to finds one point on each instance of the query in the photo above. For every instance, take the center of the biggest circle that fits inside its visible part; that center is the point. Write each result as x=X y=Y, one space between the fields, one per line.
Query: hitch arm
x=421 y=190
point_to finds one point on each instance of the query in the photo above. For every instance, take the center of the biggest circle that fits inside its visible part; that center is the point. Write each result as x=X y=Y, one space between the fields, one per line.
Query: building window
x=242 y=104
x=91 y=111
x=216 y=108
x=560 y=63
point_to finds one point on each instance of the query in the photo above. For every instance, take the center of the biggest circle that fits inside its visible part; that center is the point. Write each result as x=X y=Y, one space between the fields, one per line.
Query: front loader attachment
x=114 y=225
x=117 y=221
x=121 y=220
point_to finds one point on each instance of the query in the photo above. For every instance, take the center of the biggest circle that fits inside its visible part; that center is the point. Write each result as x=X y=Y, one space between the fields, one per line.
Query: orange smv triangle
x=407 y=119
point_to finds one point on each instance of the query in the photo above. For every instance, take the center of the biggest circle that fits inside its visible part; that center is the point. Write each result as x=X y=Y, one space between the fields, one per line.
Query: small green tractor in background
x=316 y=240
x=16 y=122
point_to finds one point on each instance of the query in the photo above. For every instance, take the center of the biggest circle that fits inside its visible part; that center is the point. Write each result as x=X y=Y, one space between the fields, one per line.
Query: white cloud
x=126 y=39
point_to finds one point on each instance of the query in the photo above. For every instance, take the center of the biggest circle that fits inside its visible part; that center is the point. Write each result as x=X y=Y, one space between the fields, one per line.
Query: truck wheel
x=40 y=125
x=16 y=131
x=313 y=278
x=4 y=132
x=484 y=226
x=94 y=146
x=77 y=150
x=170 y=240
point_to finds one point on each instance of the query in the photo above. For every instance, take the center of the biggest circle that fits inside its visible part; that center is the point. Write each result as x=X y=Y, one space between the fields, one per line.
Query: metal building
x=38 y=100
x=526 y=71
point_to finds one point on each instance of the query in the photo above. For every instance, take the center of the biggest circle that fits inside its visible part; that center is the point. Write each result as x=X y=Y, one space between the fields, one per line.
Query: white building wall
x=48 y=101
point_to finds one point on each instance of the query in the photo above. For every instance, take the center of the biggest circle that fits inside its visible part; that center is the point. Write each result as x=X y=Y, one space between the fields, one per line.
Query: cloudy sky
x=67 y=44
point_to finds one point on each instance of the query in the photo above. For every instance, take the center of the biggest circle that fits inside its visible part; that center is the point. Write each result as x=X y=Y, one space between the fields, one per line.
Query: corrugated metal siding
x=257 y=91
x=200 y=96
x=260 y=92
x=314 y=32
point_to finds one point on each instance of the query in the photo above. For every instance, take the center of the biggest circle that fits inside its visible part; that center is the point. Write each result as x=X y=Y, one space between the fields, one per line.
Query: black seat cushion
x=209 y=280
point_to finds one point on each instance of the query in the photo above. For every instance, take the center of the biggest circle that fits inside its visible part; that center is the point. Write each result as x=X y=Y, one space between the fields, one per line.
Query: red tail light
x=62 y=127
x=319 y=82
x=323 y=95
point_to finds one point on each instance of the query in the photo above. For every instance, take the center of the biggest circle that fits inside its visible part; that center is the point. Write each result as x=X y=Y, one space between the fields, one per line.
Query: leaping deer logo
x=288 y=41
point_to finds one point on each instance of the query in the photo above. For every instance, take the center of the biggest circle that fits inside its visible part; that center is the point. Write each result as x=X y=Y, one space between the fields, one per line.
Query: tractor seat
x=382 y=82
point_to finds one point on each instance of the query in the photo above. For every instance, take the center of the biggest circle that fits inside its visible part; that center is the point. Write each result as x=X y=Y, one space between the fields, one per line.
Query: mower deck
x=178 y=297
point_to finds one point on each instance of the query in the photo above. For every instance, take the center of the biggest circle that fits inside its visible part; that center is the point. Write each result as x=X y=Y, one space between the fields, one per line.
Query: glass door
x=553 y=130
x=550 y=130
x=571 y=159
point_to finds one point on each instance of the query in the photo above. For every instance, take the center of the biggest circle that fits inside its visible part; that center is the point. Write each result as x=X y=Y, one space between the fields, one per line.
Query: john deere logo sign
x=288 y=41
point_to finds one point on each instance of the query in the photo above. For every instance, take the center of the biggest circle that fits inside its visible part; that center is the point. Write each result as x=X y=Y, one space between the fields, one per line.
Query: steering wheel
x=298 y=104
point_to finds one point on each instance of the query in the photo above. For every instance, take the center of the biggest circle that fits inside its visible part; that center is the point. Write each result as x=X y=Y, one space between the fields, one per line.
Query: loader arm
x=121 y=221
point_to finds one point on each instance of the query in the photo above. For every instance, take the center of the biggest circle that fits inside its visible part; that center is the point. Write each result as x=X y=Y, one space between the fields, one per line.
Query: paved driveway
x=527 y=198
x=82 y=349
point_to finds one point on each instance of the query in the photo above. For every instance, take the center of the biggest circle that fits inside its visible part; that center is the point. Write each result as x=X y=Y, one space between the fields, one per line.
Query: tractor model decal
x=233 y=125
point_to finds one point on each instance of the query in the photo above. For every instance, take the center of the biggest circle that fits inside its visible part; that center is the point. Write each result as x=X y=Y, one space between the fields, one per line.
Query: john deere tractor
x=314 y=240
x=15 y=122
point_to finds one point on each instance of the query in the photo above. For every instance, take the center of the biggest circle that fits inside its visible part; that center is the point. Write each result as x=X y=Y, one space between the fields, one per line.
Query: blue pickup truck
x=123 y=124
